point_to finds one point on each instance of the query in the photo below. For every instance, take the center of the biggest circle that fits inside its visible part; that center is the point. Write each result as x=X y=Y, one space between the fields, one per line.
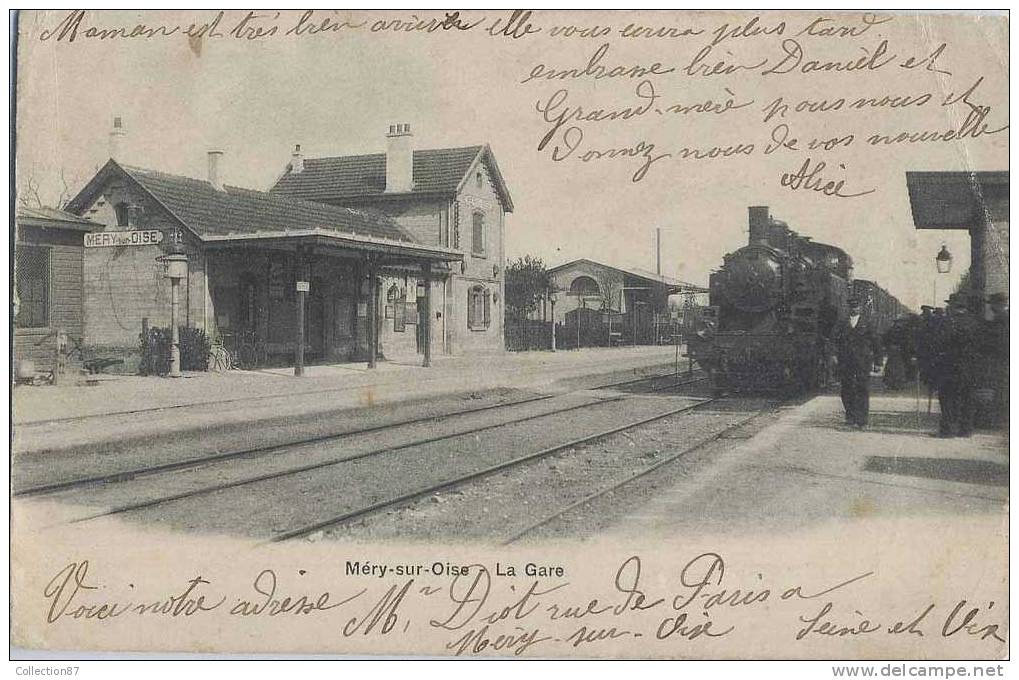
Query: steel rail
x=411 y=495
x=134 y=473
x=327 y=463
x=633 y=477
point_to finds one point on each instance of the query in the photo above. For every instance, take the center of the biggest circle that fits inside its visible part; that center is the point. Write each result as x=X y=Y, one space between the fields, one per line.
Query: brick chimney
x=759 y=221
x=297 y=160
x=117 y=134
x=215 y=170
x=399 y=159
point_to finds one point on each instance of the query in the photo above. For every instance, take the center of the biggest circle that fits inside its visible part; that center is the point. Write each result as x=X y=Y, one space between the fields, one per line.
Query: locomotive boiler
x=774 y=305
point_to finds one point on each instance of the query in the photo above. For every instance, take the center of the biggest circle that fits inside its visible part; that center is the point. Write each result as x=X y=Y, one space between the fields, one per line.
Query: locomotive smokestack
x=759 y=220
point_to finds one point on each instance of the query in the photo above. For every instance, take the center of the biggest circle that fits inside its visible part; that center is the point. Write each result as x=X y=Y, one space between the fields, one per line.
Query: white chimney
x=117 y=135
x=399 y=159
x=215 y=176
x=297 y=161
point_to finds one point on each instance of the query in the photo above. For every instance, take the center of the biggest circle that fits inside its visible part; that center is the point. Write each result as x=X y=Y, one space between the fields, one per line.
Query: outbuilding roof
x=674 y=285
x=43 y=216
x=435 y=172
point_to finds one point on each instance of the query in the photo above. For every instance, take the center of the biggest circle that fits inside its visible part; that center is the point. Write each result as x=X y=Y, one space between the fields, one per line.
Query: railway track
x=188 y=463
x=410 y=477
x=419 y=492
x=618 y=484
x=330 y=462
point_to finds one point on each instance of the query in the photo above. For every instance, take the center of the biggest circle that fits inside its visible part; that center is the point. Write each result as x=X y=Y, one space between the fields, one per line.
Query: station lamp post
x=176 y=262
x=943 y=262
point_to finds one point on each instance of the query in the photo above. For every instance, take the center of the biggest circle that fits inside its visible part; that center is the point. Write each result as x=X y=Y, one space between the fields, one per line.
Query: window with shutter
x=488 y=309
x=478 y=236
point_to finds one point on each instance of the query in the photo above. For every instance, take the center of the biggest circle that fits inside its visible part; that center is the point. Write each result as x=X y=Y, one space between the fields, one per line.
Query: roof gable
x=435 y=172
x=207 y=211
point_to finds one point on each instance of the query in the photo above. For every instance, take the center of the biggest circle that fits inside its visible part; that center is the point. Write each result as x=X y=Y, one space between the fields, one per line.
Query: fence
x=593 y=330
x=526 y=334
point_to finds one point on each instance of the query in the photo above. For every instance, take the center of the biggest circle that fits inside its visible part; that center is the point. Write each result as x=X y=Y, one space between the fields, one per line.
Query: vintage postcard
x=534 y=334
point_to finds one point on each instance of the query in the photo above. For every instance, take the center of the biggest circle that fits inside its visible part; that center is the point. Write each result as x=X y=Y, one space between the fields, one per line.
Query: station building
x=407 y=242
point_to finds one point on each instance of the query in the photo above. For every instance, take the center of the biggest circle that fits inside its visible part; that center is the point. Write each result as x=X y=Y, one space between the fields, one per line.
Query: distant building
x=634 y=302
x=976 y=202
x=47 y=296
x=408 y=229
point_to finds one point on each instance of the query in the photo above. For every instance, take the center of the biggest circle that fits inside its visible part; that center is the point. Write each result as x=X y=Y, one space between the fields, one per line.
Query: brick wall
x=123 y=285
x=485 y=269
x=994 y=254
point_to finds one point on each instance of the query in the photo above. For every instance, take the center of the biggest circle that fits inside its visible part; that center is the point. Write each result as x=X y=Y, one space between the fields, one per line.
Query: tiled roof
x=45 y=214
x=208 y=212
x=358 y=177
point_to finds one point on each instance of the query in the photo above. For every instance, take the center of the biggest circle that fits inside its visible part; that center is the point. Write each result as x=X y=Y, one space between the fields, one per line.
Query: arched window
x=479 y=179
x=584 y=285
x=394 y=294
x=478 y=235
x=479 y=308
x=123 y=214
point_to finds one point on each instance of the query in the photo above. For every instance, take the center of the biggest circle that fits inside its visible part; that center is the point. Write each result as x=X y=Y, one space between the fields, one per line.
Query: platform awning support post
x=373 y=314
x=426 y=333
x=302 y=292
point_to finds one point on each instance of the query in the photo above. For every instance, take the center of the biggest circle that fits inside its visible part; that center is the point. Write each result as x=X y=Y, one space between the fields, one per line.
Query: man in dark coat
x=958 y=366
x=996 y=372
x=856 y=346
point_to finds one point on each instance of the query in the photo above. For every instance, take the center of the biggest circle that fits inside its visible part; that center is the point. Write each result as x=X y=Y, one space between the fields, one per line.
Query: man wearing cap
x=857 y=345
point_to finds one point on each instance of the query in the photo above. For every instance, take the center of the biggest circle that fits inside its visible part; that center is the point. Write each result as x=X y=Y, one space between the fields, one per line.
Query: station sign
x=303 y=286
x=113 y=239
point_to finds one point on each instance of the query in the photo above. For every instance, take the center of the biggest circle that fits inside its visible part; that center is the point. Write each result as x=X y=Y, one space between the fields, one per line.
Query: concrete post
x=552 y=305
x=426 y=333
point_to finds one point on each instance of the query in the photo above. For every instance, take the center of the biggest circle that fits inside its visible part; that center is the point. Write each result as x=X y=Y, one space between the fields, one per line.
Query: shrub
x=155 y=350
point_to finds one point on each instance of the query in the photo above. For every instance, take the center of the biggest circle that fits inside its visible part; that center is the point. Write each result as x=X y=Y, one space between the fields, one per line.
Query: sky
x=337 y=94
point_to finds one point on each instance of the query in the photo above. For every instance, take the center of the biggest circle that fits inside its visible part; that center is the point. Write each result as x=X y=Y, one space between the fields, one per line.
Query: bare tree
x=28 y=190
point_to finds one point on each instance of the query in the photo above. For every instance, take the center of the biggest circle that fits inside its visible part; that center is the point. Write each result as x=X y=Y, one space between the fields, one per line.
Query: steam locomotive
x=774 y=305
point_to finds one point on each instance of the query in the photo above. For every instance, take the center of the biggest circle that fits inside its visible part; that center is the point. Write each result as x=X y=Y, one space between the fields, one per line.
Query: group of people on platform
x=956 y=352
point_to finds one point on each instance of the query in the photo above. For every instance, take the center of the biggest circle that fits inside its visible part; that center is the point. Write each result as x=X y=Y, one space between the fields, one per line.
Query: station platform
x=808 y=469
x=118 y=407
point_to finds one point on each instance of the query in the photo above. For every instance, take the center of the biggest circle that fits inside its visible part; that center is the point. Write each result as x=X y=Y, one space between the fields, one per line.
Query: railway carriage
x=774 y=304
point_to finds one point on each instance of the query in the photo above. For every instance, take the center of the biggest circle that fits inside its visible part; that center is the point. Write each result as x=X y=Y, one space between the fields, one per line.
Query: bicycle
x=220 y=358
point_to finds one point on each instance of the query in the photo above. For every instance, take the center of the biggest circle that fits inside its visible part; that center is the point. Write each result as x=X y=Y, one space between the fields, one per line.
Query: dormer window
x=123 y=214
